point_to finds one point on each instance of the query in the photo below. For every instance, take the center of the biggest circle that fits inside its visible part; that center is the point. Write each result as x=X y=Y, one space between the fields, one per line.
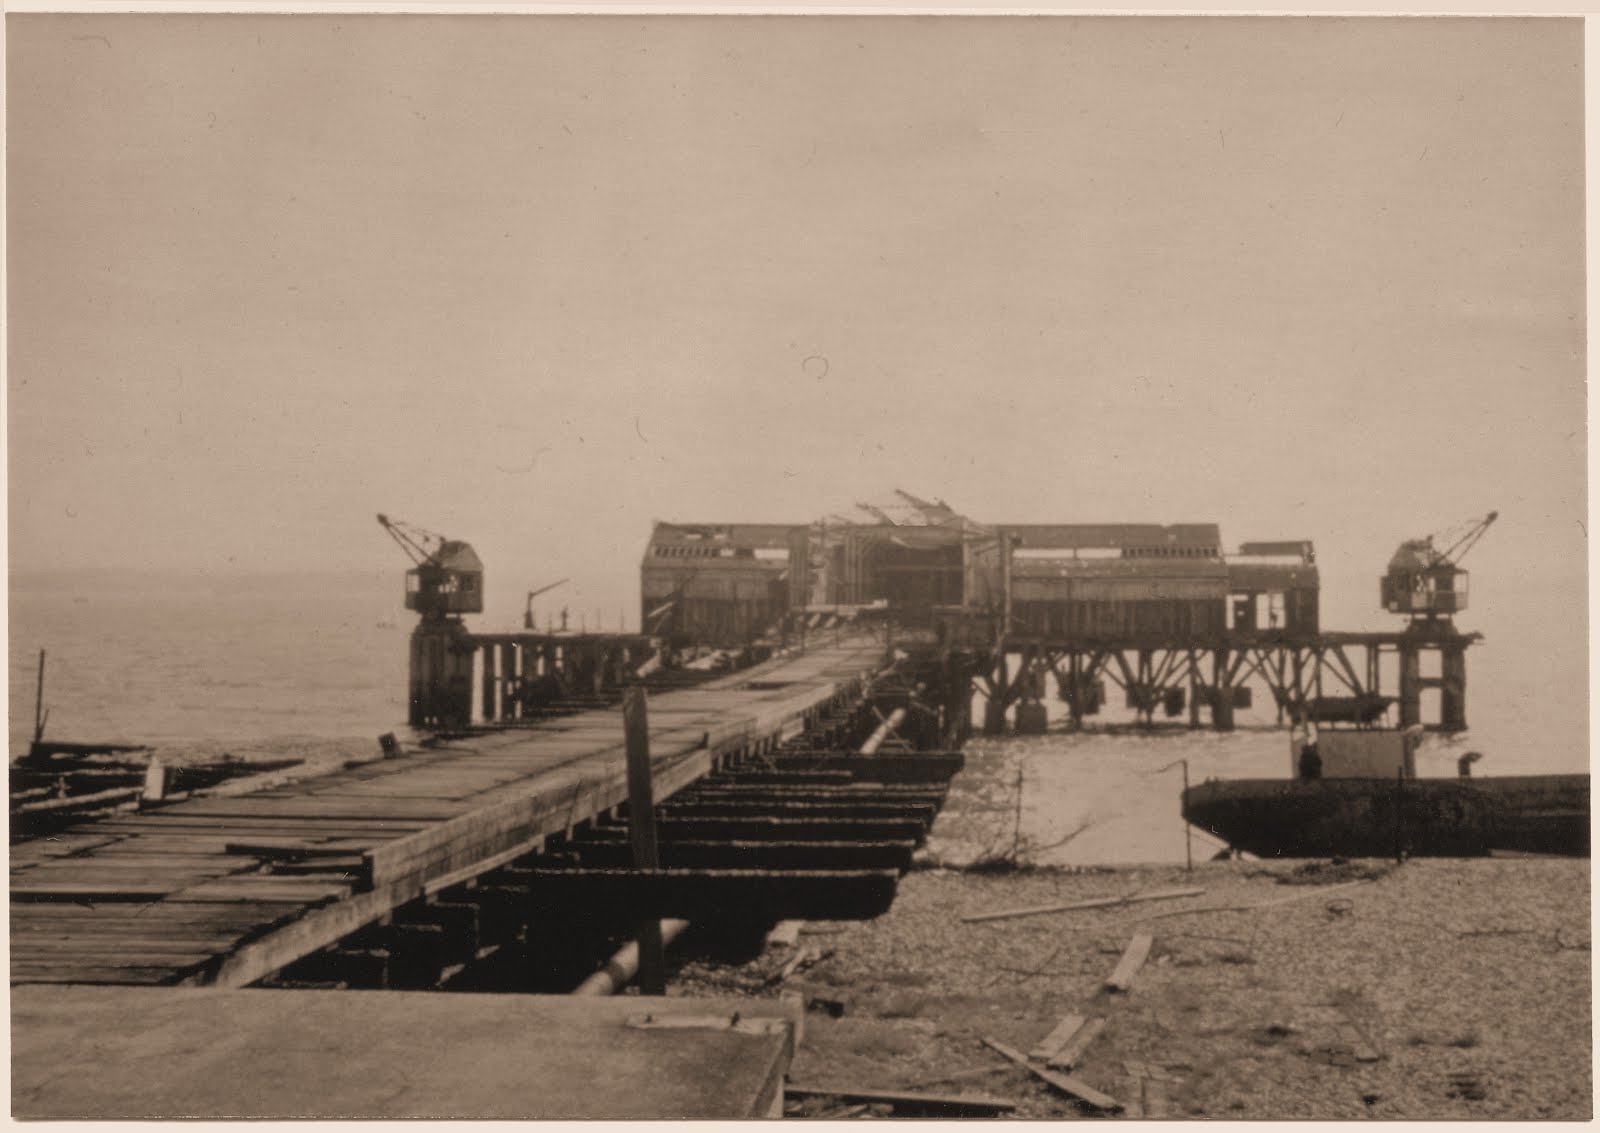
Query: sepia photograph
x=734 y=566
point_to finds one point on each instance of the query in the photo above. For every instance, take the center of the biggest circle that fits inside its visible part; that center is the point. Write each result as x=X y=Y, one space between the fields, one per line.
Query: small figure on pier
x=1305 y=735
x=1464 y=764
x=1412 y=737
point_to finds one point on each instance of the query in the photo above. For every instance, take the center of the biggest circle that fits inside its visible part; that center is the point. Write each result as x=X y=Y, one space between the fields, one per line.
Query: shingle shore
x=1440 y=989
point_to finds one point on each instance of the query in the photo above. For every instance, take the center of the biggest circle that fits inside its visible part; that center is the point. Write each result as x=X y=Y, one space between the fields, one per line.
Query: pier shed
x=720 y=584
x=1274 y=587
x=1128 y=583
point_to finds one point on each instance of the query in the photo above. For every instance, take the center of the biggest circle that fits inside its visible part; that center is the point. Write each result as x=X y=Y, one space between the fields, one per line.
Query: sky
x=535 y=282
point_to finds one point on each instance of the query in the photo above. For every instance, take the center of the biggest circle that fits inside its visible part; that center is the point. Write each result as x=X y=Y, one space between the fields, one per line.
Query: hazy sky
x=534 y=281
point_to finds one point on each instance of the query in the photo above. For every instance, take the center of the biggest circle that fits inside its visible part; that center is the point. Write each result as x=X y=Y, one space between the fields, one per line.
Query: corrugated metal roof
x=1270 y=576
x=1118 y=534
x=1301 y=547
x=1120 y=568
x=729 y=534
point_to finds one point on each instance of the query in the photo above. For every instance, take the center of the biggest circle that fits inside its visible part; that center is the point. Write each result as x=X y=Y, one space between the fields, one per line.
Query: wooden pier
x=223 y=892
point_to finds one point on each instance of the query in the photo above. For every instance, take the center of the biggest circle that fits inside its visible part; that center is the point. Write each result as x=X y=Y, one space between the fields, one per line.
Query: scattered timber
x=1311 y=891
x=907 y=1104
x=1091 y=903
x=1072 y=1051
x=1052 y=1043
x=1138 y=951
x=1072 y=1087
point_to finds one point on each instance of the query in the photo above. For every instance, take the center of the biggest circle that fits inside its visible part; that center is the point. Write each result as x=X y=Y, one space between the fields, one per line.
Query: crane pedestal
x=441 y=674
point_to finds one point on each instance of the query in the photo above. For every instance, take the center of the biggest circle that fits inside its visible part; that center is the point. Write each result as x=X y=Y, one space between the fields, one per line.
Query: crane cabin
x=1424 y=580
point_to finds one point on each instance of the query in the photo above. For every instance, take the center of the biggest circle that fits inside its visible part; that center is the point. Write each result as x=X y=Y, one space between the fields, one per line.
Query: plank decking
x=223 y=891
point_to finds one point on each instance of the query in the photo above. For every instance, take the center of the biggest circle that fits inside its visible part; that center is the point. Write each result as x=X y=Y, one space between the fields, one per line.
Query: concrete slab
x=108 y=1053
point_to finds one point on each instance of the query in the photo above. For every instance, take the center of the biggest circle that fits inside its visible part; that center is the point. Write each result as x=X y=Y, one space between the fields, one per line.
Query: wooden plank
x=1051 y=1044
x=1092 y=903
x=1068 y=1085
x=84 y=974
x=317 y=929
x=109 y=955
x=172 y=908
x=903 y=1101
x=130 y=934
x=1138 y=951
x=263 y=888
x=785 y=934
x=273 y=848
x=267 y=825
x=1072 y=1051
x=25 y=890
x=134 y=862
x=374 y=809
x=1157 y=1103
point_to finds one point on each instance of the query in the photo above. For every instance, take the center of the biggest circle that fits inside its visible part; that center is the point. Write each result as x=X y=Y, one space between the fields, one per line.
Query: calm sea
x=315 y=666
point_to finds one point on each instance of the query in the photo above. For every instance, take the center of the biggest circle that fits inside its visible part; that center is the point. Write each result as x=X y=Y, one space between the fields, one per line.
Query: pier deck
x=224 y=891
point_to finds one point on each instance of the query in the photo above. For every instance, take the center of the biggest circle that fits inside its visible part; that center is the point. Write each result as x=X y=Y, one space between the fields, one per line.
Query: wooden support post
x=642 y=832
x=38 y=703
x=994 y=712
x=488 y=690
x=1453 y=689
x=508 y=678
x=1410 y=685
x=1075 y=690
x=1221 y=693
x=1194 y=690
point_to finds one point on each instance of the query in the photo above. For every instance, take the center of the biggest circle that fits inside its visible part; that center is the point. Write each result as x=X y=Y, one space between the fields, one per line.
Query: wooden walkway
x=223 y=891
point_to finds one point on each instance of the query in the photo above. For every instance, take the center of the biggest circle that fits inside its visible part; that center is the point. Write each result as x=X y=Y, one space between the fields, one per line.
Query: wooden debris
x=1149 y=1086
x=155 y=780
x=792 y=966
x=1312 y=891
x=1091 y=903
x=1132 y=960
x=786 y=934
x=1051 y=1044
x=1068 y=1085
x=958 y=1076
x=908 y=1103
x=1071 y=1053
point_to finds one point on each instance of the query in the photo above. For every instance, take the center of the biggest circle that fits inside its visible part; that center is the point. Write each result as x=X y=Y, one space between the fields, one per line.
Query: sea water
x=314 y=667
x=255 y=666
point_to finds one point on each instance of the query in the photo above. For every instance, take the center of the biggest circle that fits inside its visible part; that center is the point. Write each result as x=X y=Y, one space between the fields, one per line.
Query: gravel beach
x=1436 y=989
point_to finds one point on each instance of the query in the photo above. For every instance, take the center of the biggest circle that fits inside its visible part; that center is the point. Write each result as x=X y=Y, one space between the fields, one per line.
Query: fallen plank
x=1072 y=1051
x=785 y=934
x=801 y=956
x=1067 y=1084
x=1157 y=1104
x=1051 y=1044
x=1312 y=891
x=1133 y=959
x=1091 y=903
x=902 y=1101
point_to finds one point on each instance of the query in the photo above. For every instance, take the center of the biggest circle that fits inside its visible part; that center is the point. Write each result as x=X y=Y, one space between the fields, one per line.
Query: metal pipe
x=885 y=730
x=623 y=966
